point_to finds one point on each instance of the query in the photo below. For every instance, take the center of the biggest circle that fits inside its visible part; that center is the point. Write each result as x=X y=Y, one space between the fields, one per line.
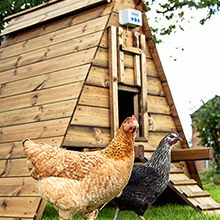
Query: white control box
x=130 y=17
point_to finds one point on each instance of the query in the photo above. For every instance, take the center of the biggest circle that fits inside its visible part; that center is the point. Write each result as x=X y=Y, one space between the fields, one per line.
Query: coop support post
x=144 y=112
x=113 y=80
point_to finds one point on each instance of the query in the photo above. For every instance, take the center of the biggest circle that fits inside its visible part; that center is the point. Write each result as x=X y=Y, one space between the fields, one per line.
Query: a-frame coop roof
x=63 y=68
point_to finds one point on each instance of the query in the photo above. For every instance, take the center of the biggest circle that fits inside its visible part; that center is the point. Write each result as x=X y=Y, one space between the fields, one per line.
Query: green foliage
x=10 y=7
x=173 y=11
x=209 y=176
x=207 y=122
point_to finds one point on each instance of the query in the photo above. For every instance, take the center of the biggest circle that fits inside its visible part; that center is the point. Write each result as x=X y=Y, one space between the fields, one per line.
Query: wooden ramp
x=191 y=193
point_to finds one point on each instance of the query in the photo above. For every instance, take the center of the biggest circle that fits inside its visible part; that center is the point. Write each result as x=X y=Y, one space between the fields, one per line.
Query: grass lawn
x=168 y=212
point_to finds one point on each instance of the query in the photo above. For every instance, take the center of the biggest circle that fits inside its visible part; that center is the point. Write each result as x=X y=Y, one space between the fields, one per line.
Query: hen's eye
x=171 y=136
x=128 y=122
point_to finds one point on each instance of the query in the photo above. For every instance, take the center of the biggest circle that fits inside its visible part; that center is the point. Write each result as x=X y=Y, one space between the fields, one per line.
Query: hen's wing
x=45 y=161
x=142 y=173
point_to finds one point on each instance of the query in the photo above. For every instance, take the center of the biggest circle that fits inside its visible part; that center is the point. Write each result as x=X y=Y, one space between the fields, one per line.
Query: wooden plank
x=38 y=113
x=40 y=209
x=158 y=104
x=53 y=26
x=136 y=112
x=35 y=130
x=113 y=82
x=101 y=58
x=18 y=186
x=163 y=123
x=151 y=68
x=175 y=170
x=137 y=67
x=132 y=50
x=45 y=81
x=197 y=194
x=183 y=182
x=95 y=96
x=98 y=76
x=209 y=206
x=15 y=149
x=91 y=116
x=154 y=87
x=43 y=14
x=128 y=88
x=144 y=112
x=46 y=66
x=19 y=207
x=14 y=168
x=87 y=137
x=68 y=34
x=121 y=74
x=192 y=154
x=50 y=51
x=37 y=98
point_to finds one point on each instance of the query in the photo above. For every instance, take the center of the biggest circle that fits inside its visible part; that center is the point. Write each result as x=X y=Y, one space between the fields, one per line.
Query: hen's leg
x=91 y=215
x=141 y=217
x=116 y=213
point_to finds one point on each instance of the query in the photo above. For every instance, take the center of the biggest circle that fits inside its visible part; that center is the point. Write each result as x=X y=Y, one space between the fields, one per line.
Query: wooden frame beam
x=113 y=80
x=192 y=154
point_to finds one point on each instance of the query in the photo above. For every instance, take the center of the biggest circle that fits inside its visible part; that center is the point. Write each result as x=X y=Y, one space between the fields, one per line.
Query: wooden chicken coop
x=69 y=74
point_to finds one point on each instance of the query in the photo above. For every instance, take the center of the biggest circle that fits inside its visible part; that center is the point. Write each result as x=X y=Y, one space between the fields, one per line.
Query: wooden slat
x=121 y=74
x=38 y=113
x=65 y=22
x=15 y=149
x=14 y=168
x=91 y=116
x=18 y=186
x=56 y=78
x=98 y=76
x=196 y=194
x=113 y=82
x=56 y=94
x=46 y=66
x=87 y=137
x=132 y=50
x=48 y=13
x=174 y=169
x=137 y=67
x=163 y=123
x=209 y=206
x=36 y=130
x=158 y=104
x=192 y=154
x=19 y=207
x=144 y=90
x=95 y=96
x=183 y=182
x=50 y=51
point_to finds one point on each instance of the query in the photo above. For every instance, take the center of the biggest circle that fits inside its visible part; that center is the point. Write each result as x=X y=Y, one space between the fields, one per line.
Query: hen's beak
x=178 y=138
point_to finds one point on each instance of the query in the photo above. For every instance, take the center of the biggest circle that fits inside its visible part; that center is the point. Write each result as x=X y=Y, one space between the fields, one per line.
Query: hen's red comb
x=175 y=132
x=133 y=117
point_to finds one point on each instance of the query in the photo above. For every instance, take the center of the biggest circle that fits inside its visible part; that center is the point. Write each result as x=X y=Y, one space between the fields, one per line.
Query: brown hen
x=77 y=183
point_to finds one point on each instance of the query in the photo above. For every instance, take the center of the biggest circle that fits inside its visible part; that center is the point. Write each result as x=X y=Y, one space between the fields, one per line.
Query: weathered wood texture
x=47 y=13
x=42 y=75
x=192 y=154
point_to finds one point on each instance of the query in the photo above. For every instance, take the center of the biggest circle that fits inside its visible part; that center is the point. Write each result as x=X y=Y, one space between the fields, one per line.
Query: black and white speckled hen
x=148 y=180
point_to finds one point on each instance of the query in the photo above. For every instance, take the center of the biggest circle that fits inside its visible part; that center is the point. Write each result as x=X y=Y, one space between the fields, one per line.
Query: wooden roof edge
x=31 y=9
